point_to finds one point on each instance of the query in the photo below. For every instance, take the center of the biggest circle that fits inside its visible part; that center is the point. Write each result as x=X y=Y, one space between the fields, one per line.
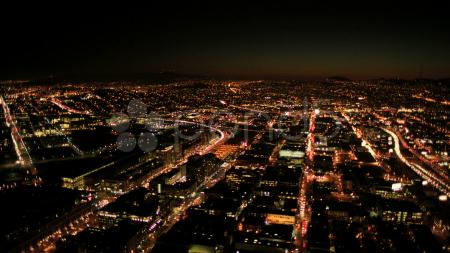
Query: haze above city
x=277 y=40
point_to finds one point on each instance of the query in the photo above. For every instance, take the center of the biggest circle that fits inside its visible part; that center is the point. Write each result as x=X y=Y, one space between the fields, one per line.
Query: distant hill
x=156 y=77
x=338 y=78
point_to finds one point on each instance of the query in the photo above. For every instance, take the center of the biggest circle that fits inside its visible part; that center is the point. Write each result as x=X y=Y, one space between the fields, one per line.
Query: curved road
x=434 y=179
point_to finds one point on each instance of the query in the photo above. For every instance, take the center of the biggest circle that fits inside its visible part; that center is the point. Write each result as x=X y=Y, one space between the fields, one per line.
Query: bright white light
x=443 y=197
x=316 y=111
x=424 y=182
x=396 y=186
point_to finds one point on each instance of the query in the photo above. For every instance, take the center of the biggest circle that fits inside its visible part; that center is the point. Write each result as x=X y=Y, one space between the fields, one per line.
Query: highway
x=61 y=105
x=436 y=168
x=19 y=145
x=207 y=149
x=430 y=176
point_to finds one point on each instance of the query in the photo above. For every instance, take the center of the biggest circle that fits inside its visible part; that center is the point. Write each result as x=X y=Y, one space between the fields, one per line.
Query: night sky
x=233 y=40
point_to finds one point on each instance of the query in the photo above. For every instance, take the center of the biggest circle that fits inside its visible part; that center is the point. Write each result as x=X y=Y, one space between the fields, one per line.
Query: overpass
x=430 y=176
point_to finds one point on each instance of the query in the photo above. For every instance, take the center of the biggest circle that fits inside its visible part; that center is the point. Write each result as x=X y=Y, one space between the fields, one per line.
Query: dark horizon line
x=148 y=76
